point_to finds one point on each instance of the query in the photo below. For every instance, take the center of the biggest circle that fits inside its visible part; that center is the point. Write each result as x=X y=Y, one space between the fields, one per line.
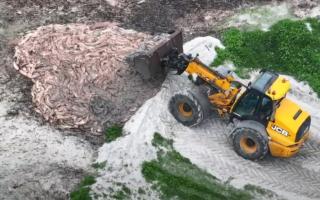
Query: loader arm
x=225 y=87
x=169 y=56
x=197 y=69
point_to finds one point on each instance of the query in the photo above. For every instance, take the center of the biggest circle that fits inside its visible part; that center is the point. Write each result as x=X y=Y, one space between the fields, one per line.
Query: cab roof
x=272 y=85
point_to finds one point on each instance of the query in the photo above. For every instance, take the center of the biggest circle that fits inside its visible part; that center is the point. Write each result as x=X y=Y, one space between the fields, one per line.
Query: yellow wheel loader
x=268 y=122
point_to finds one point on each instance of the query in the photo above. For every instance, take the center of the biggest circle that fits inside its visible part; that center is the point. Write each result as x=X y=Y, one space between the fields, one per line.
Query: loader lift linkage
x=267 y=121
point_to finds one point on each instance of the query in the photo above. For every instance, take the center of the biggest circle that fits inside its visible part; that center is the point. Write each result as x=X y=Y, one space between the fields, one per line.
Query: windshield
x=264 y=81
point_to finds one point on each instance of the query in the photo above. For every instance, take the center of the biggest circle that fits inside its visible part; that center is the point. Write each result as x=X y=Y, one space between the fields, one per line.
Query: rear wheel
x=186 y=109
x=250 y=140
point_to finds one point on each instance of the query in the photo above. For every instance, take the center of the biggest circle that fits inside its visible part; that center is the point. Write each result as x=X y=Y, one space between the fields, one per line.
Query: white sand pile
x=261 y=17
x=38 y=162
x=205 y=48
x=81 y=78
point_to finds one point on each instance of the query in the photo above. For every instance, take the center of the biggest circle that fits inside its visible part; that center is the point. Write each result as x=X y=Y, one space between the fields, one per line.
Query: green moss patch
x=177 y=178
x=113 y=132
x=159 y=141
x=289 y=47
x=83 y=189
x=99 y=165
x=258 y=191
x=122 y=194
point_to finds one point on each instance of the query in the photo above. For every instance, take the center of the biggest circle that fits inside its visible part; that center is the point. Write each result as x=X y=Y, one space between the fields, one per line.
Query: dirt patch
x=306 y=8
x=196 y=17
x=80 y=75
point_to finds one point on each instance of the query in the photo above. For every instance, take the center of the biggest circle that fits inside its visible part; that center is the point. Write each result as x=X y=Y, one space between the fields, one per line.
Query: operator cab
x=261 y=98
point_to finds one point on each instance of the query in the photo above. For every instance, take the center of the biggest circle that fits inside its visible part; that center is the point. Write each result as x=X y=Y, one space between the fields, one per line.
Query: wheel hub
x=185 y=110
x=248 y=145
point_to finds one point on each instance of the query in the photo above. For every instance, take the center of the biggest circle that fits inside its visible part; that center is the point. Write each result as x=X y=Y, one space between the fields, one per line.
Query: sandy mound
x=81 y=78
x=37 y=161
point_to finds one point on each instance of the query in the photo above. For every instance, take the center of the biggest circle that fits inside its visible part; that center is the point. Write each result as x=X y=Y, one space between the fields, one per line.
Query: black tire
x=186 y=109
x=250 y=140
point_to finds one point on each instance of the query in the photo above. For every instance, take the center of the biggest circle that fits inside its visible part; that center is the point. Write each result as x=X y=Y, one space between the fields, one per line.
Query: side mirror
x=272 y=116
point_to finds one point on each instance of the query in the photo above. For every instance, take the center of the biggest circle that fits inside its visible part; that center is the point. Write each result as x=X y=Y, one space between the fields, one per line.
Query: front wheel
x=186 y=109
x=250 y=140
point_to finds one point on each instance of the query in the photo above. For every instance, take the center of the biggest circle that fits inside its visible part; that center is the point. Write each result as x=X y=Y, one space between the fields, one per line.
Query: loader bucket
x=149 y=64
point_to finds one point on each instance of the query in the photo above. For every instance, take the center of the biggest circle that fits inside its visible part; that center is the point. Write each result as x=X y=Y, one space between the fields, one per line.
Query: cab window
x=264 y=81
x=248 y=104
x=266 y=108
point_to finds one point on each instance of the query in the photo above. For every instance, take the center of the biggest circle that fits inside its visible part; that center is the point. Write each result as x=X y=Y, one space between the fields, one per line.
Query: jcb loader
x=268 y=122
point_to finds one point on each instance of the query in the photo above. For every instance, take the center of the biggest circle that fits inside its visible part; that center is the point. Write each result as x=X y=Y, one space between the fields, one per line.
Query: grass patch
x=141 y=191
x=113 y=132
x=123 y=193
x=158 y=141
x=120 y=195
x=177 y=178
x=288 y=47
x=261 y=191
x=83 y=189
x=98 y=165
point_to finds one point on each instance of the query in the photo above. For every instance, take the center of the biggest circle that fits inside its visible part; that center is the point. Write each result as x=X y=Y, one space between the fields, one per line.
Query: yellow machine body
x=282 y=129
x=279 y=88
x=283 y=139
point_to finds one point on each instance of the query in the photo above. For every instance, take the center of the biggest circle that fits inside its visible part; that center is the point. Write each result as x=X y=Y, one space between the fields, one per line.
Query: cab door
x=265 y=110
x=253 y=105
x=247 y=106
